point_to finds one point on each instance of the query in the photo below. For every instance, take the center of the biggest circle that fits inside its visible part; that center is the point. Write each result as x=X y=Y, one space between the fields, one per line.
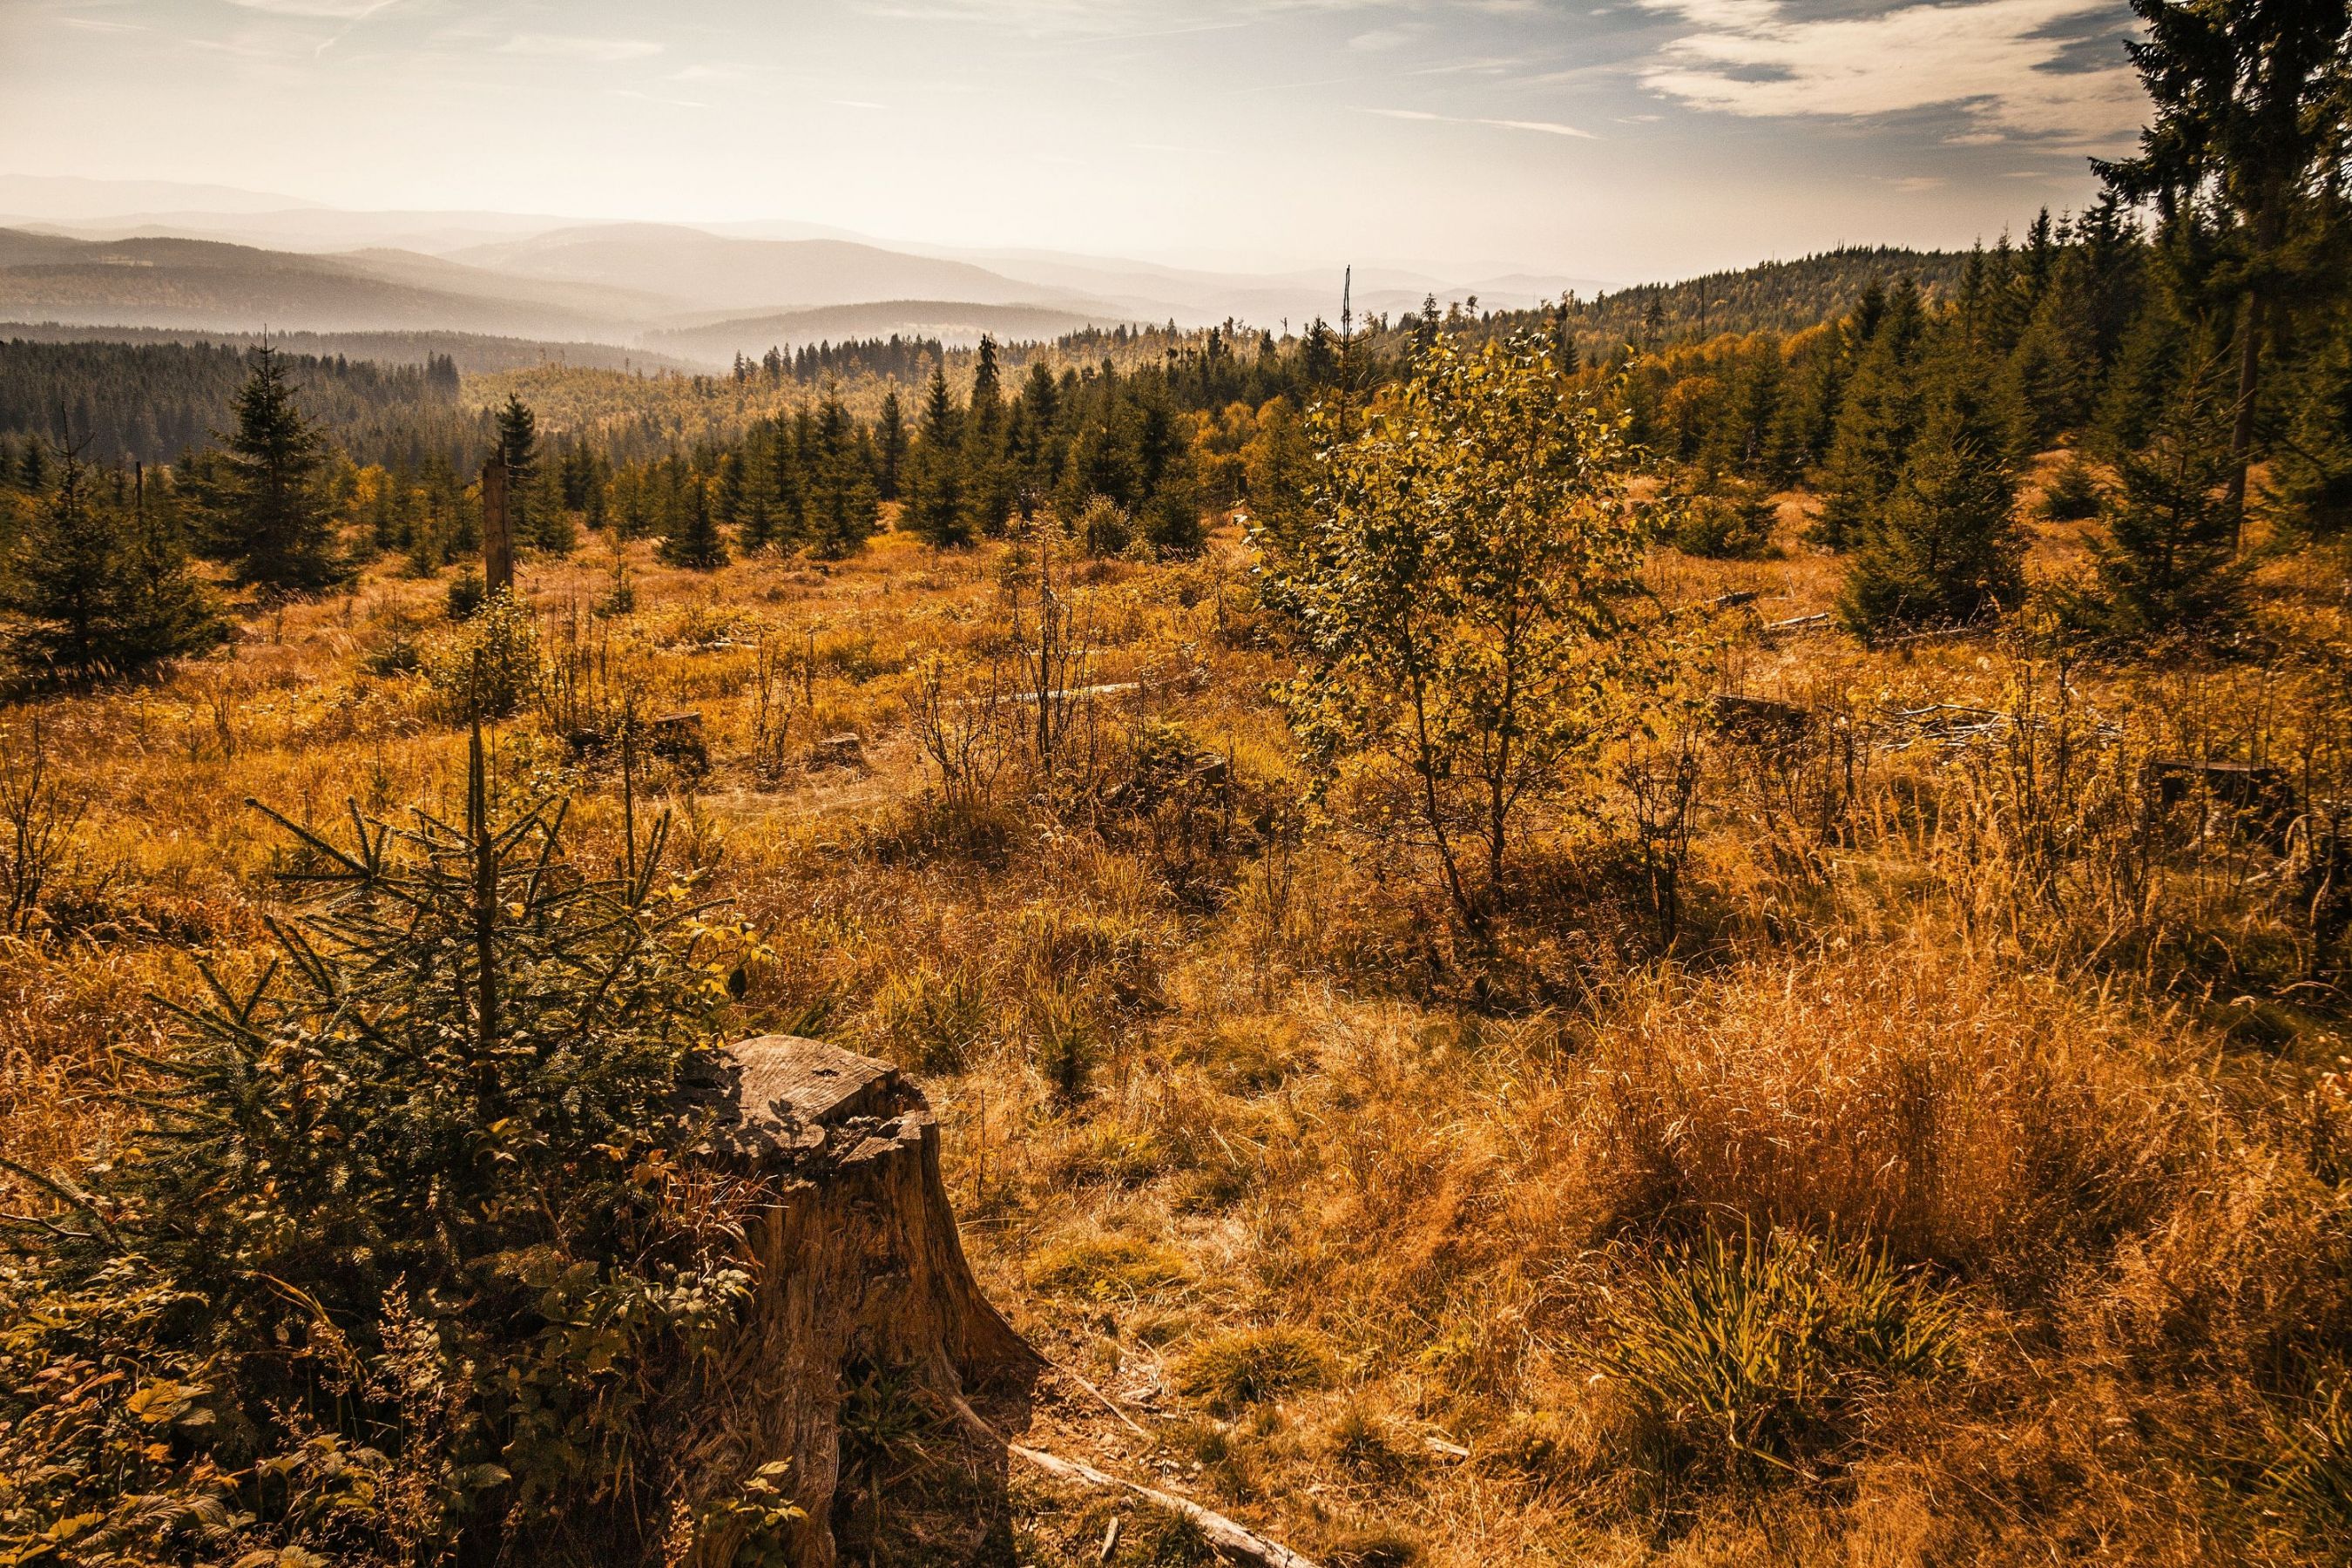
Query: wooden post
x=497 y=537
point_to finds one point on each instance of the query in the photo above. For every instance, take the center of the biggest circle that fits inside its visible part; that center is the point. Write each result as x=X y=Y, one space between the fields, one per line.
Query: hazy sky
x=1618 y=141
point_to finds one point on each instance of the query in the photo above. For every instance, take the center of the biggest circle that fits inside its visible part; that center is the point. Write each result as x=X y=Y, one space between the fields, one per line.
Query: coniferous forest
x=1706 y=924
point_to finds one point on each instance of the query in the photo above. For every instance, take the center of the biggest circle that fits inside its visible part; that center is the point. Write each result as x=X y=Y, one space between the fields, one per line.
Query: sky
x=1620 y=142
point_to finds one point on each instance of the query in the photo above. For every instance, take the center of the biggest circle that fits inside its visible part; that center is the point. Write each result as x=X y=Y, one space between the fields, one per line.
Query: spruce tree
x=1945 y=549
x=788 y=485
x=1042 y=402
x=2313 y=481
x=2166 y=567
x=935 y=508
x=518 y=438
x=267 y=504
x=1877 y=419
x=163 y=608
x=2248 y=139
x=2150 y=363
x=1171 y=487
x=693 y=541
x=103 y=585
x=842 y=509
x=727 y=505
x=755 y=518
x=889 y=447
x=988 y=480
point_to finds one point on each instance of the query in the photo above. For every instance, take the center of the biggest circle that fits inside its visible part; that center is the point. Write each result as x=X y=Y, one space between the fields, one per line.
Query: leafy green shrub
x=761 y=1517
x=1754 y=1355
x=488 y=666
x=1250 y=1366
x=398 y=1269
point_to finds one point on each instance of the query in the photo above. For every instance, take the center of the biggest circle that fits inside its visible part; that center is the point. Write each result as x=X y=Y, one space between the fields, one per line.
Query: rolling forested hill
x=146 y=394
x=151 y=402
x=1772 y=296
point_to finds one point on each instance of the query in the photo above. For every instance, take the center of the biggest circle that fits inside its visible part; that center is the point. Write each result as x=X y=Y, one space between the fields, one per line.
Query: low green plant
x=1108 y=1268
x=1065 y=1043
x=1754 y=1353
x=887 y=1438
x=1103 y=527
x=2073 y=494
x=2312 y=1474
x=931 y=1019
x=488 y=667
x=761 y=1518
x=468 y=593
x=397 y=655
x=1249 y=1367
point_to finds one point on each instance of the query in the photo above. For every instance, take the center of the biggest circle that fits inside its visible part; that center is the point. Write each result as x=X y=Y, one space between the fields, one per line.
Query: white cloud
x=558 y=46
x=665 y=101
x=339 y=10
x=1544 y=127
x=1989 y=59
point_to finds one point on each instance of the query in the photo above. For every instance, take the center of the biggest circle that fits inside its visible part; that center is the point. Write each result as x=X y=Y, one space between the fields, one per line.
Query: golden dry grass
x=2086 y=1095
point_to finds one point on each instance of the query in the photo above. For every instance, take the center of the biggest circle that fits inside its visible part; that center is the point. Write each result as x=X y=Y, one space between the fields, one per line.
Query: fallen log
x=1223 y=1534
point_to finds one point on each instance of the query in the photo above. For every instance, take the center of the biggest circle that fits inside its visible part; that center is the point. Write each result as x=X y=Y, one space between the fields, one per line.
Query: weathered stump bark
x=857 y=1265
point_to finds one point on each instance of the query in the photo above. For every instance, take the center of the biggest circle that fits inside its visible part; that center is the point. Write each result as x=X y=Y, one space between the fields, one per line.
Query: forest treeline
x=149 y=403
x=1907 y=418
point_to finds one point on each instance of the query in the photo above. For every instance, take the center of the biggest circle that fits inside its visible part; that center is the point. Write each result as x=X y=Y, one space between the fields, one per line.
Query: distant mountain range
x=96 y=253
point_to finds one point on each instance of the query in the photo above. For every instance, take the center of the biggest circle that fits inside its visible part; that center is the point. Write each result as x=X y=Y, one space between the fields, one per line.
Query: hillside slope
x=236 y=288
x=709 y=271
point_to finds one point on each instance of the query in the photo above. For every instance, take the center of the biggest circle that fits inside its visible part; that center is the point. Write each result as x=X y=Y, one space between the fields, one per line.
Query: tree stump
x=676 y=739
x=2254 y=793
x=857 y=1269
x=844 y=751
